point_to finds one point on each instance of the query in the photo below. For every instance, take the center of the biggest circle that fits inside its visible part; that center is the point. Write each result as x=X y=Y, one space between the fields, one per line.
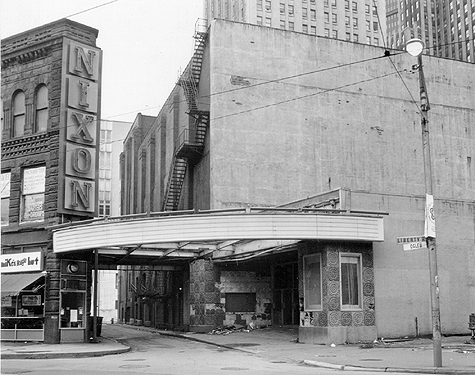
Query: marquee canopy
x=224 y=235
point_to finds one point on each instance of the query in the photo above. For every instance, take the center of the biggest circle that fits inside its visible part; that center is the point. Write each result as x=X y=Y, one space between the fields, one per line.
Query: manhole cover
x=134 y=366
x=371 y=359
x=242 y=344
x=235 y=368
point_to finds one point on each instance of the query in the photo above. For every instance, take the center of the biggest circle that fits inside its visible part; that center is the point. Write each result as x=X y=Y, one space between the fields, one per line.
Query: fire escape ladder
x=188 y=150
x=175 y=183
x=201 y=127
x=191 y=76
x=197 y=60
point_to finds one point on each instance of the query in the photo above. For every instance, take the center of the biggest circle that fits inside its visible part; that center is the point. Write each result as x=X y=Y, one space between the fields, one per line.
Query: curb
x=64 y=355
x=99 y=353
x=181 y=336
x=437 y=370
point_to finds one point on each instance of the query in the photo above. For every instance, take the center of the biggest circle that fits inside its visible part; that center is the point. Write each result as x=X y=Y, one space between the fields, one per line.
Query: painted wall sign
x=22 y=262
x=80 y=128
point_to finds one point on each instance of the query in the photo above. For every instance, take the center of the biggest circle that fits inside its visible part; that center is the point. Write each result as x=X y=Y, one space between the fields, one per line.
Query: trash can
x=98 y=324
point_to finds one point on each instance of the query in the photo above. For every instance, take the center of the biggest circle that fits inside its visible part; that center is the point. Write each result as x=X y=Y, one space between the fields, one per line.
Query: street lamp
x=414 y=47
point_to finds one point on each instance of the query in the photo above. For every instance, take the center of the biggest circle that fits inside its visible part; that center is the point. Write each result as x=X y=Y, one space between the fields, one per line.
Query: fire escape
x=190 y=143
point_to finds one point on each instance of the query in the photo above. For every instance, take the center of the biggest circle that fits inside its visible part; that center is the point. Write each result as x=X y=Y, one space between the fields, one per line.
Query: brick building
x=50 y=95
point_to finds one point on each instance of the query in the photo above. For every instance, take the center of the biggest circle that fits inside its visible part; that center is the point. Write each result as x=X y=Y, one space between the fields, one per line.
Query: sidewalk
x=281 y=344
x=38 y=350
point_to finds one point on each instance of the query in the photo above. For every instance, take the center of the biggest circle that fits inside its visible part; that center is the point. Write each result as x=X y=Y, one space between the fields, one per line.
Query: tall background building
x=360 y=21
x=447 y=27
x=112 y=136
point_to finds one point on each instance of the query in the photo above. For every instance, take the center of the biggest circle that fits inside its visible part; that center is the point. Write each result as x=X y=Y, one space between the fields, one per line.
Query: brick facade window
x=18 y=114
x=41 y=102
x=33 y=195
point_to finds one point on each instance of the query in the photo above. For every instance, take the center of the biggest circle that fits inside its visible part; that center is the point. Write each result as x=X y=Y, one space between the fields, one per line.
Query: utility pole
x=429 y=232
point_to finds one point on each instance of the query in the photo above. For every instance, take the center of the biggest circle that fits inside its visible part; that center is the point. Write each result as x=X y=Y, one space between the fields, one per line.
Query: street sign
x=412 y=242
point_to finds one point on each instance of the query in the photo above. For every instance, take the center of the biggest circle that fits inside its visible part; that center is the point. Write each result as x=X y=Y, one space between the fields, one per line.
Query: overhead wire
x=271 y=81
x=298 y=75
x=303 y=97
x=87 y=10
x=392 y=62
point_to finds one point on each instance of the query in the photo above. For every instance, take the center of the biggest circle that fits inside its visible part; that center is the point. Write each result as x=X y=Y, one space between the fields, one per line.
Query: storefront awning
x=13 y=284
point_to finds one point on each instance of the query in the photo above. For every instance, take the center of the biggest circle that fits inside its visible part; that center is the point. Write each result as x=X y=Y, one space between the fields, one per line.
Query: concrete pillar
x=205 y=313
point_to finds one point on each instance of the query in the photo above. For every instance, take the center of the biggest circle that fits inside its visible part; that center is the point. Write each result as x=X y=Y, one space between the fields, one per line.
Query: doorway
x=286 y=294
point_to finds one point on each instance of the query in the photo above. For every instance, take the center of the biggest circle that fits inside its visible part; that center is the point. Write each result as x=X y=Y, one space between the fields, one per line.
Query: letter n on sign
x=79 y=194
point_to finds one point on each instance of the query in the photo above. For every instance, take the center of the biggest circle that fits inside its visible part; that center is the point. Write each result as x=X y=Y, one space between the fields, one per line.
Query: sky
x=145 y=44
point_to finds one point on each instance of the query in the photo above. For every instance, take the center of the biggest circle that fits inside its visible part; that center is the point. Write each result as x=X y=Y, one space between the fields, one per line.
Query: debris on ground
x=226 y=330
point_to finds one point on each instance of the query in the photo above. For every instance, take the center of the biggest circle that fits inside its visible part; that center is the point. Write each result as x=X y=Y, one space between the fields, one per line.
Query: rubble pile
x=226 y=330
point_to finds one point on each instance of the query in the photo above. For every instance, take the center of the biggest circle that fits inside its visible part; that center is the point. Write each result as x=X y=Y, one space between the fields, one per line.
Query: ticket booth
x=73 y=301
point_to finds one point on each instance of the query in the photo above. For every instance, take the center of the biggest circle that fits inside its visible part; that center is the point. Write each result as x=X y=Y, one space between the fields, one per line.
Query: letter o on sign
x=81 y=160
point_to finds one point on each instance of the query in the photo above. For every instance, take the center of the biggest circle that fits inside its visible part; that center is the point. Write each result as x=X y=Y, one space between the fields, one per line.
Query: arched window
x=19 y=114
x=41 y=100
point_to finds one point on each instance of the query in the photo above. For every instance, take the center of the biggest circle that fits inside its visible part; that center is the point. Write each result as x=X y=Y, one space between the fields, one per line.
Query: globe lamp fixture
x=414 y=47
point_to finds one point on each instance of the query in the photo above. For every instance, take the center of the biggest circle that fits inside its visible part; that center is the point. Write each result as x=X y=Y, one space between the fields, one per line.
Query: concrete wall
x=355 y=126
x=402 y=292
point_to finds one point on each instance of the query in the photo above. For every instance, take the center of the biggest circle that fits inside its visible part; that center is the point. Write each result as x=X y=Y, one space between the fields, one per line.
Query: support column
x=52 y=290
x=205 y=313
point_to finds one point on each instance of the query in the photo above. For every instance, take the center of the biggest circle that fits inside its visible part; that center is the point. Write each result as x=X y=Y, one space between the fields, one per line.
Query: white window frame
x=356 y=258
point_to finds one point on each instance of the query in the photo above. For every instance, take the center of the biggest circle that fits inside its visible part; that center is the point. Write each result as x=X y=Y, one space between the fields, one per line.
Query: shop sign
x=31 y=300
x=22 y=262
x=80 y=129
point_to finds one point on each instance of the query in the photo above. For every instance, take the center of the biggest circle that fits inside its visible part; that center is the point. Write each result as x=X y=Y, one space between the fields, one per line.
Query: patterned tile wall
x=331 y=314
x=205 y=307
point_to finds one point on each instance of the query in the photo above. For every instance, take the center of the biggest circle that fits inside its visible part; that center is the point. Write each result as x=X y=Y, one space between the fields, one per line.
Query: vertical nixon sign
x=80 y=128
